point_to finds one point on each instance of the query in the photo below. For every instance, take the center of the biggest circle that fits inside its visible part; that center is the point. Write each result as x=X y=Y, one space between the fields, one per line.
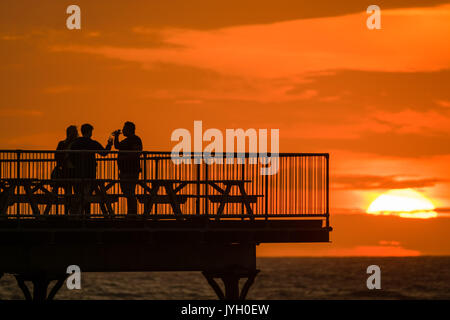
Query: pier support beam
x=41 y=282
x=230 y=279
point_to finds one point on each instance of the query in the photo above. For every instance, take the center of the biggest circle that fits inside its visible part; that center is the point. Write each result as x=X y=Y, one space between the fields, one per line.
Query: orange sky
x=377 y=100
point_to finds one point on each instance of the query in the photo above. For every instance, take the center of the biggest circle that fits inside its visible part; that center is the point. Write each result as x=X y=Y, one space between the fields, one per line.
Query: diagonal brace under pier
x=230 y=279
x=41 y=282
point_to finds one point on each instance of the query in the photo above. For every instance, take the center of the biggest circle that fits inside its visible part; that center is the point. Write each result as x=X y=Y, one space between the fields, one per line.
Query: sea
x=425 y=277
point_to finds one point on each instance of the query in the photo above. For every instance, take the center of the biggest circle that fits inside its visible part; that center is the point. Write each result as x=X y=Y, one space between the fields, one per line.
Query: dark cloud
x=393 y=91
x=369 y=182
x=69 y=85
x=19 y=15
x=65 y=85
x=388 y=144
x=443 y=210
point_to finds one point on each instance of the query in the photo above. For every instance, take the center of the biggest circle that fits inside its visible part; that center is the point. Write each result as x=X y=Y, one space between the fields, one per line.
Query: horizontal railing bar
x=224 y=154
x=174 y=216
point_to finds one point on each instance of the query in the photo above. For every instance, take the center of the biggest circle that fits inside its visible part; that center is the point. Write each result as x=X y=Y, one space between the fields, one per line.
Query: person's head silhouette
x=71 y=133
x=86 y=130
x=129 y=129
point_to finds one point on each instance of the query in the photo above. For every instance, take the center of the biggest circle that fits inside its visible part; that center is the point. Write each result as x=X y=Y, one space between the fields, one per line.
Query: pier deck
x=195 y=222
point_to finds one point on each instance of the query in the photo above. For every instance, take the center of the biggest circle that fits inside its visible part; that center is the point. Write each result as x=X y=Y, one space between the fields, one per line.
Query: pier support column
x=41 y=282
x=230 y=279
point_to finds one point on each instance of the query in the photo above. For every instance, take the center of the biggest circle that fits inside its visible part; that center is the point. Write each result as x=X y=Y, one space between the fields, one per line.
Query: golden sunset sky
x=377 y=100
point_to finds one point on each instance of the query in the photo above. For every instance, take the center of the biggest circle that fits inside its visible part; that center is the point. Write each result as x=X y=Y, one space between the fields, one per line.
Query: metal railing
x=299 y=188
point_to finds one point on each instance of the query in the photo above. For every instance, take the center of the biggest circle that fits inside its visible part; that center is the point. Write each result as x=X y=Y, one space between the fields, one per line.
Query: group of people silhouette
x=83 y=165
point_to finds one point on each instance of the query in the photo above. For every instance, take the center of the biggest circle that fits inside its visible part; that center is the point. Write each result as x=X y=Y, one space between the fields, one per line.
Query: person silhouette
x=62 y=159
x=84 y=162
x=128 y=163
x=64 y=167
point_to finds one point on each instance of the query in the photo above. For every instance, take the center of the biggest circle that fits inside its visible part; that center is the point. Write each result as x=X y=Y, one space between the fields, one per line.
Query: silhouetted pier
x=190 y=216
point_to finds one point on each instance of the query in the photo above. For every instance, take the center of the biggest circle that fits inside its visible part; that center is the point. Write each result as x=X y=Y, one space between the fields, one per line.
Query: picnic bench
x=43 y=192
x=173 y=187
x=224 y=197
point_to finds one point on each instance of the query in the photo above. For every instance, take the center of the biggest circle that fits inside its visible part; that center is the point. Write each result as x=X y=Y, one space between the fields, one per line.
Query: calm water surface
x=280 y=278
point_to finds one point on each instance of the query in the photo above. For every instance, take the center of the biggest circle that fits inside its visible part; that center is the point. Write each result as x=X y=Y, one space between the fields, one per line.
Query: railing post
x=144 y=170
x=266 y=193
x=156 y=177
x=144 y=174
x=197 y=206
x=328 y=190
x=243 y=178
x=206 y=189
x=18 y=156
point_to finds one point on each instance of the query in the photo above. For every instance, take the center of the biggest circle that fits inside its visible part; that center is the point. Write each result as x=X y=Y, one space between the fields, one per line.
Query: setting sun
x=406 y=203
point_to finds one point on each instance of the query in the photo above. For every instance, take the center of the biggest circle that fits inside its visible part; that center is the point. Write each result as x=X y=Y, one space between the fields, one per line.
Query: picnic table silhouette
x=42 y=192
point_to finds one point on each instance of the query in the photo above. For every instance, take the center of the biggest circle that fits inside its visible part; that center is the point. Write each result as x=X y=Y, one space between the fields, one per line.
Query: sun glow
x=406 y=203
